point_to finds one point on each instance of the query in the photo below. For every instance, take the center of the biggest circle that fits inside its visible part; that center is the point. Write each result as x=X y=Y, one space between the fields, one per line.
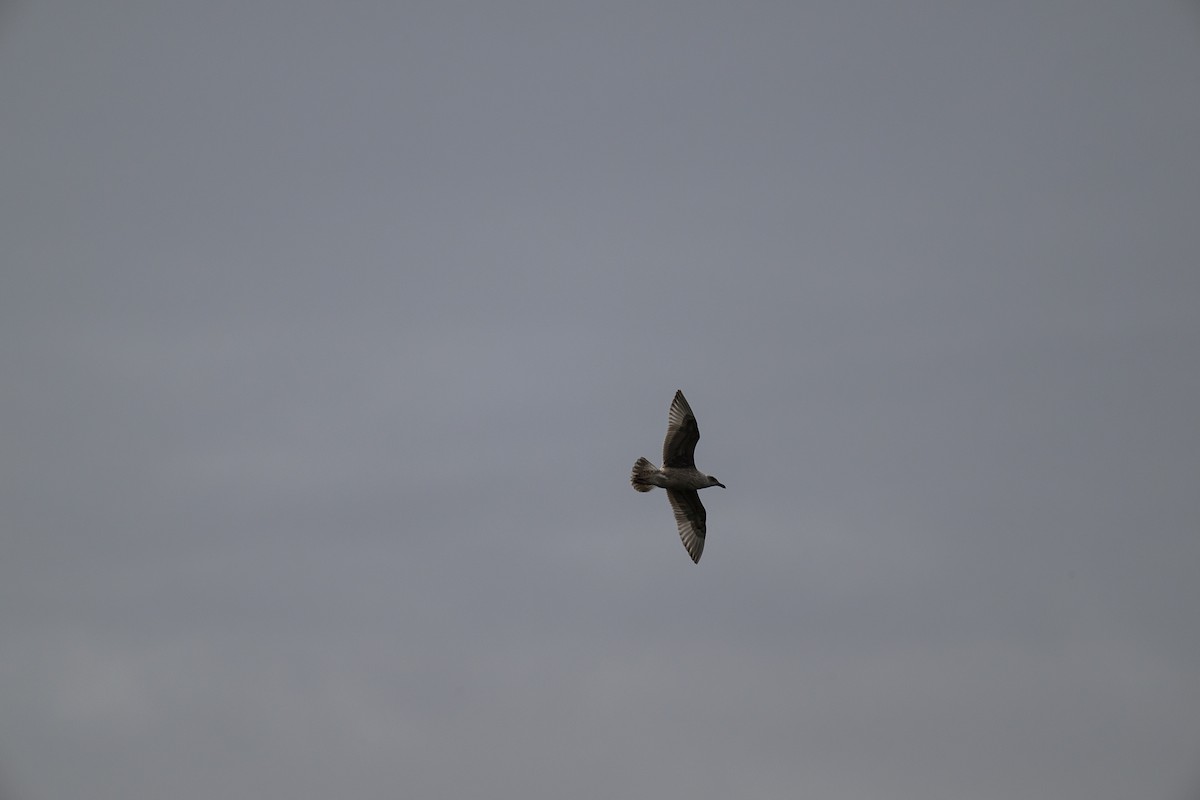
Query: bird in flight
x=679 y=476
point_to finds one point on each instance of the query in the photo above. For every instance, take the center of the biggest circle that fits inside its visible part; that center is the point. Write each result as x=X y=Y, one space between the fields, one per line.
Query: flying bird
x=679 y=476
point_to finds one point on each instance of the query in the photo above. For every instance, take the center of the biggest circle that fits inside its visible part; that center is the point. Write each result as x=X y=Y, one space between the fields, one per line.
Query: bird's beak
x=720 y=484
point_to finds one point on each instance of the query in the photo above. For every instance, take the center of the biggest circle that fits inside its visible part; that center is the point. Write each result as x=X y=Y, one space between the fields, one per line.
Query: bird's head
x=714 y=482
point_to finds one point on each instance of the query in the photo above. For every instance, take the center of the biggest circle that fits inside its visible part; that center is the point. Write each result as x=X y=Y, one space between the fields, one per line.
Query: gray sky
x=329 y=333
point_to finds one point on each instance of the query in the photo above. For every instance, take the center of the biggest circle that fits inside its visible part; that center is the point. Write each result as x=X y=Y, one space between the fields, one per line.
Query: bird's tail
x=642 y=470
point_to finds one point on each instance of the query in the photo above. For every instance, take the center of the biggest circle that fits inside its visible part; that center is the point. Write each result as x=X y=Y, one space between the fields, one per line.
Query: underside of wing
x=690 y=517
x=679 y=449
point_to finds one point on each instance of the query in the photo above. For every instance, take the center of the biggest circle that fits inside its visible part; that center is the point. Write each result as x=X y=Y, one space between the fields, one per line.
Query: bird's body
x=669 y=477
x=679 y=476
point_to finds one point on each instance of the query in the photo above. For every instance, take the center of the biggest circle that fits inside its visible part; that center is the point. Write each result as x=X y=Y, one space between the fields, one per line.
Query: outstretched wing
x=690 y=517
x=679 y=449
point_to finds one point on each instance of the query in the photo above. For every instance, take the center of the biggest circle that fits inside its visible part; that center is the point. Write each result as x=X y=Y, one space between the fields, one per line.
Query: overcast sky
x=329 y=333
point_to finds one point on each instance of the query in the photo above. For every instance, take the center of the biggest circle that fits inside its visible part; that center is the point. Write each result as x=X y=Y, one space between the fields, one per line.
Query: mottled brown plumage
x=679 y=476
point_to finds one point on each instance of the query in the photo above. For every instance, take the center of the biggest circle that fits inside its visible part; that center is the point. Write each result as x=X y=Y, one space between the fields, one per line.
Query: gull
x=679 y=475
